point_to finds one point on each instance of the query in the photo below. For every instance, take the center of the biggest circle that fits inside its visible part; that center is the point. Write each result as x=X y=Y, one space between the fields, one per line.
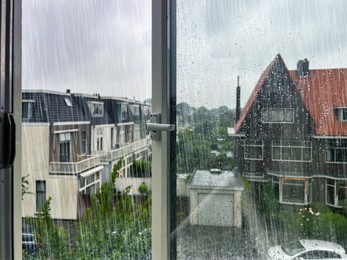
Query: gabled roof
x=254 y=94
x=321 y=92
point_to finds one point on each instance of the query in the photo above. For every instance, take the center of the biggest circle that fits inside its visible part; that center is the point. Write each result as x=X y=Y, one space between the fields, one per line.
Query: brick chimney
x=303 y=68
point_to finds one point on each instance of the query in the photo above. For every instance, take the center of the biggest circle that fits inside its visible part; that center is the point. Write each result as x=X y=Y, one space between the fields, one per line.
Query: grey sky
x=88 y=46
x=104 y=46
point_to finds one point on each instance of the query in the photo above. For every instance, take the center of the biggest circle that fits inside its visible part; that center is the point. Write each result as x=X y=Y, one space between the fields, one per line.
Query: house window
x=137 y=132
x=68 y=102
x=336 y=193
x=294 y=191
x=40 y=195
x=112 y=138
x=64 y=147
x=96 y=108
x=99 y=144
x=336 y=151
x=341 y=113
x=84 y=142
x=27 y=109
x=124 y=112
x=277 y=115
x=296 y=151
x=253 y=150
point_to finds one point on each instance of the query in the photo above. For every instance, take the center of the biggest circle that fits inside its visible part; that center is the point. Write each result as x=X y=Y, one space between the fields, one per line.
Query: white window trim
x=307 y=191
x=91 y=105
x=336 y=197
x=279 y=122
x=254 y=145
x=333 y=148
x=290 y=146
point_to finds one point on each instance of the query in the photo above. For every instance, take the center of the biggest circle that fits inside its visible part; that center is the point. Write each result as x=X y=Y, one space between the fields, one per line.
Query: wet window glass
x=261 y=136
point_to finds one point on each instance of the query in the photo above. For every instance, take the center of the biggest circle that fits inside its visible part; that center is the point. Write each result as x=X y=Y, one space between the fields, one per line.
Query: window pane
x=86 y=74
x=289 y=105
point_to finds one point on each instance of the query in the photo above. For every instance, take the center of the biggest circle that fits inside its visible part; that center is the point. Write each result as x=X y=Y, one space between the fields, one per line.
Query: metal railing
x=73 y=168
x=108 y=156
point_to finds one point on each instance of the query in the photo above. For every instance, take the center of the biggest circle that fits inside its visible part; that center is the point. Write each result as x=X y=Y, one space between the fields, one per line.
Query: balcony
x=109 y=156
x=74 y=168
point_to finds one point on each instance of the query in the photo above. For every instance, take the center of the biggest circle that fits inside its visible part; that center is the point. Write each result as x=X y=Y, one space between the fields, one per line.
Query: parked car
x=29 y=242
x=307 y=249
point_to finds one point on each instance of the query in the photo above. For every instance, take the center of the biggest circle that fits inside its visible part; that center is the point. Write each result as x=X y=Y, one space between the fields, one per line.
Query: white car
x=307 y=249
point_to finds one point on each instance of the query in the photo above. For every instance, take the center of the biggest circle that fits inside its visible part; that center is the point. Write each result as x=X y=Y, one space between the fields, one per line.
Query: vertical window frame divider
x=163 y=151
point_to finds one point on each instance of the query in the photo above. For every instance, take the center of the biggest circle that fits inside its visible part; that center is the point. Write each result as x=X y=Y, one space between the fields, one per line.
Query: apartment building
x=66 y=140
x=292 y=133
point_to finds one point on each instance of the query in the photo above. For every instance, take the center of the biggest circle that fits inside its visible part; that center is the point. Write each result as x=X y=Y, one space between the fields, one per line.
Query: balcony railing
x=108 y=156
x=74 y=168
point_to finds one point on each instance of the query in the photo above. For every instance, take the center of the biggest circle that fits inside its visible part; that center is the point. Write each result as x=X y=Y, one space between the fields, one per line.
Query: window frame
x=96 y=106
x=336 y=188
x=253 y=143
x=306 y=186
x=281 y=146
x=273 y=109
x=41 y=193
x=329 y=147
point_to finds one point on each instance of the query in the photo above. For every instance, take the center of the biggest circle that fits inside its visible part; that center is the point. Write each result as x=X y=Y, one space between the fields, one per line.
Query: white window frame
x=307 y=190
x=30 y=109
x=161 y=241
x=93 y=107
x=336 y=187
x=340 y=114
x=335 y=148
x=249 y=144
x=285 y=110
x=281 y=146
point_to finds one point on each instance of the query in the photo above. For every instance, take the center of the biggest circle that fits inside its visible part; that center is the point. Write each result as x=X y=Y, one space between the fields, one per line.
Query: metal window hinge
x=154 y=127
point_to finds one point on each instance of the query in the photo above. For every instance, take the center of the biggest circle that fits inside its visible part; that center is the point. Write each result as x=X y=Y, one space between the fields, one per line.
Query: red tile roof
x=321 y=92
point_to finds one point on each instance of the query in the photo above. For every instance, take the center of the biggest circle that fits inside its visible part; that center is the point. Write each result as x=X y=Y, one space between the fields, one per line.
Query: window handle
x=154 y=127
x=8 y=135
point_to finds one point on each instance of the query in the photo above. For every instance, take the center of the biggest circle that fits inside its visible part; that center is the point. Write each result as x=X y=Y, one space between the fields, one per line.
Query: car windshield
x=292 y=248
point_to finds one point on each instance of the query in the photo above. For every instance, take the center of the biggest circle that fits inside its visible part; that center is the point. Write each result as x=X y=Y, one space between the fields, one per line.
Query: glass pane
x=86 y=77
x=250 y=71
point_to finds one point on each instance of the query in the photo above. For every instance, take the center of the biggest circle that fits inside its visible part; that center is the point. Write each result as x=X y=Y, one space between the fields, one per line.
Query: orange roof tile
x=321 y=92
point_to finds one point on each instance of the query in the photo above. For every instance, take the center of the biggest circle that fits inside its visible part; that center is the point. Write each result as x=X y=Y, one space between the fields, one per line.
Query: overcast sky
x=104 y=46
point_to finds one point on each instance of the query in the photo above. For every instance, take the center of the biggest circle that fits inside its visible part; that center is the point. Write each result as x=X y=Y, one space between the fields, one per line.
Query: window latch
x=8 y=135
x=154 y=127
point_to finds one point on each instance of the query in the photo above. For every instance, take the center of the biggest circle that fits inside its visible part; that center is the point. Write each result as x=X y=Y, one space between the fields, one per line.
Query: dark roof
x=82 y=101
x=321 y=92
x=50 y=107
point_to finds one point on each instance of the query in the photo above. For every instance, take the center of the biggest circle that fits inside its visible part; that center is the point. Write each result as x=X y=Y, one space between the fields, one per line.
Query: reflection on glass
x=287 y=148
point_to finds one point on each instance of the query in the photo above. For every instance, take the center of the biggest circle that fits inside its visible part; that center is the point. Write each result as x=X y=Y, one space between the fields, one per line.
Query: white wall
x=64 y=191
x=235 y=193
x=103 y=131
x=35 y=161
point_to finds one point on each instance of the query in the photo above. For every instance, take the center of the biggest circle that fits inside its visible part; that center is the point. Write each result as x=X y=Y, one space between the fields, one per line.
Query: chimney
x=238 y=94
x=68 y=91
x=303 y=68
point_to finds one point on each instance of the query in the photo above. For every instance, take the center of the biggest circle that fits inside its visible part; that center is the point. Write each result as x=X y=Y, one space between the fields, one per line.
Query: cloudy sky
x=104 y=46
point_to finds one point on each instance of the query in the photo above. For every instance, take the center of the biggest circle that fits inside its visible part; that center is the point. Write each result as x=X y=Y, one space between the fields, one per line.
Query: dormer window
x=96 y=108
x=341 y=114
x=27 y=109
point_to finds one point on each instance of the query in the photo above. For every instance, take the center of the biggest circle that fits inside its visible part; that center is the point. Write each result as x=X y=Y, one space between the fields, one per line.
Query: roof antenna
x=238 y=95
